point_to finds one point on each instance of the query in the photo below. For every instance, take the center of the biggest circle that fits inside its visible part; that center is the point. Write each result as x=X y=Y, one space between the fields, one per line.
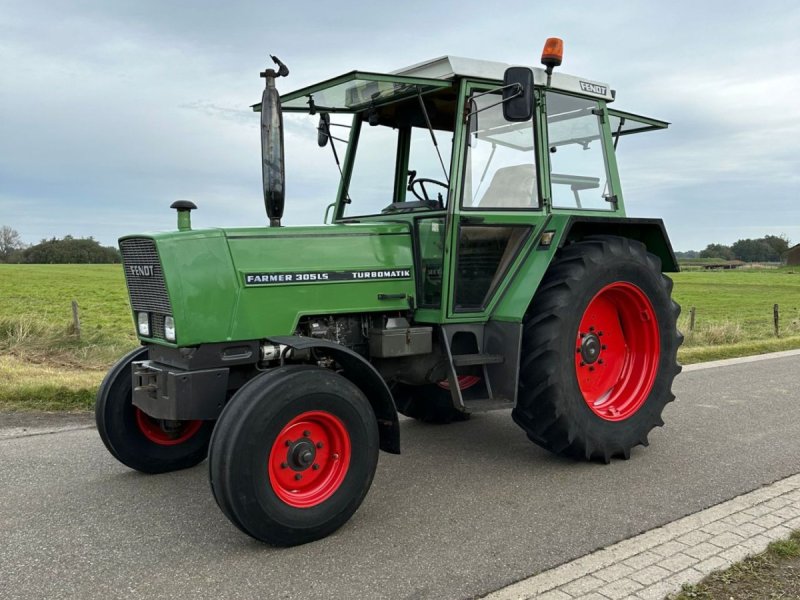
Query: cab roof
x=450 y=67
x=357 y=90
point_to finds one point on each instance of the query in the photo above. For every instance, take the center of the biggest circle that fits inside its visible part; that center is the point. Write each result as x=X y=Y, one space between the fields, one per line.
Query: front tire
x=137 y=440
x=599 y=351
x=293 y=454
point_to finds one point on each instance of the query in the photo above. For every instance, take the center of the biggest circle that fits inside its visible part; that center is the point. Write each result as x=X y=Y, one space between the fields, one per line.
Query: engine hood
x=251 y=283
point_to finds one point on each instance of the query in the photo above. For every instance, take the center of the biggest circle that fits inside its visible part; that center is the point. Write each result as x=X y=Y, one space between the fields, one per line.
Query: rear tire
x=293 y=454
x=599 y=351
x=137 y=440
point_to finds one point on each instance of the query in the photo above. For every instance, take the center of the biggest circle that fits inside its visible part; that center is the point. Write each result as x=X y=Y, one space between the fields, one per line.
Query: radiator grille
x=145 y=279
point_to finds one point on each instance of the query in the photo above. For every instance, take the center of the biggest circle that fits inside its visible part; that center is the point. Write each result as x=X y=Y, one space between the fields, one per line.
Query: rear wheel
x=599 y=351
x=138 y=440
x=293 y=454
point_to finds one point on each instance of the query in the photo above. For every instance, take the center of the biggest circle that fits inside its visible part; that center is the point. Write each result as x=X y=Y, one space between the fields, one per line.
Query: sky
x=112 y=110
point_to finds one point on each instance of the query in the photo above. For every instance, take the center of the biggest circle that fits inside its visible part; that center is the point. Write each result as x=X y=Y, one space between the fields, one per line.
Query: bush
x=68 y=251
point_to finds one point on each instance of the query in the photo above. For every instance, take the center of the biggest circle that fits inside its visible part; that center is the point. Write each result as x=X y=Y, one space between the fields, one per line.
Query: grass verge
x=770 y=575
x=45 y=367
x=26 y=386
x=688 y=355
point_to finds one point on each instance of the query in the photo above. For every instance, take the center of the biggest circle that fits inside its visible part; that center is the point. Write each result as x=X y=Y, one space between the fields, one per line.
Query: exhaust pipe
x=272 y=171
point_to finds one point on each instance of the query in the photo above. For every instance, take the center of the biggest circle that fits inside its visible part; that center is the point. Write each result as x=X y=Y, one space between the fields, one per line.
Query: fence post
x=692 y=312
x=775 y=318
x=76 y=320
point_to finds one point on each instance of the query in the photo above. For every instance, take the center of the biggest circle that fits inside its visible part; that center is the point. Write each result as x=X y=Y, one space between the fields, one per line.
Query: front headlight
x=169 y=329
x=143 y=323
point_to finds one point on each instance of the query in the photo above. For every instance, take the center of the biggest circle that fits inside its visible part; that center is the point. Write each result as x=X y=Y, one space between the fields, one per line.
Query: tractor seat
x=512 y=187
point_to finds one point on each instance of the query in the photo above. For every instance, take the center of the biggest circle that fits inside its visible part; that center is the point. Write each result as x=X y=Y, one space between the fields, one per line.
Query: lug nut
x=583 y=364
x=284 y=465
x=591 y=369
x=578 y=350
x=319 y=444
x=315 y=466
x=591 y=328
x=600 y=361
x=603 y=347
x=298 y=477
x=288 y=442
x=306 y=433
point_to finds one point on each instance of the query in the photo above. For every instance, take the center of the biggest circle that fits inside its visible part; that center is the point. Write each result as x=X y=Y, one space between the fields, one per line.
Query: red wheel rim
x=166 y=433
x=464 y=382
x=309 y=459
x=617 y=351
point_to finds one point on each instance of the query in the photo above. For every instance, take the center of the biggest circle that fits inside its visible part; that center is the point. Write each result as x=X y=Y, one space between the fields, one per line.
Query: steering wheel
x=421 y=182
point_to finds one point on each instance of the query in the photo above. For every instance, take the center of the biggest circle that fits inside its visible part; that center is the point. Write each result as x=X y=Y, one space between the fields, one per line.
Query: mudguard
x=365 y=376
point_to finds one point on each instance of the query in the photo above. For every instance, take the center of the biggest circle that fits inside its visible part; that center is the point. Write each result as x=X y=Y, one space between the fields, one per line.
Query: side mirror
x=323 y=130
x=518 y=94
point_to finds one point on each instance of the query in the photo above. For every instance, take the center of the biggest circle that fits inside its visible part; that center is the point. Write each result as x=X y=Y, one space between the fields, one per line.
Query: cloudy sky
x=112 y=109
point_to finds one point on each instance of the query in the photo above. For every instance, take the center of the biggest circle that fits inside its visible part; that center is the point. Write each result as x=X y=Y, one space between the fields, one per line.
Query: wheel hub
x=309 y=459
x=617 y=351
x=590 y=348
x=301 y=454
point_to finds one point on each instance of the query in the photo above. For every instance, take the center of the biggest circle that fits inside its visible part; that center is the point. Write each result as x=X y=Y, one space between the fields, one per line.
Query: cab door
x=496 y=209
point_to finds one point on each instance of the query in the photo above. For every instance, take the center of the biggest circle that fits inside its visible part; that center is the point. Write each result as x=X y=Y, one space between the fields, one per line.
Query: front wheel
x=293 y=454
x=599 y=351
x=138 y=440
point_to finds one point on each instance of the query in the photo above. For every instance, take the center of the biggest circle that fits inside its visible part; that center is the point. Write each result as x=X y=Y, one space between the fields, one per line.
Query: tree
x=779 y=243
x=755 y=251
x=10 y=242
x=717 y=251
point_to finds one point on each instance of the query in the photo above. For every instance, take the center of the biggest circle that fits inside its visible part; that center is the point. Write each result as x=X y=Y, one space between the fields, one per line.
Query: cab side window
x=578 y=170
x=500 y=170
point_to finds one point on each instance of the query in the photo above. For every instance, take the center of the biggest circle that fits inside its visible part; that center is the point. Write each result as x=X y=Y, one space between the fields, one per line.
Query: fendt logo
x=142 y=270
x=593 y=88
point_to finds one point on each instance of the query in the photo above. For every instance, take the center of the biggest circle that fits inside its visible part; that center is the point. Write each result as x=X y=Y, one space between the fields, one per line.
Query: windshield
x=382 y=171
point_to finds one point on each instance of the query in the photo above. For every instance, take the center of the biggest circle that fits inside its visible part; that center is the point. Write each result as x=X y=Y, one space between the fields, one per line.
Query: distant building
x=793 y=255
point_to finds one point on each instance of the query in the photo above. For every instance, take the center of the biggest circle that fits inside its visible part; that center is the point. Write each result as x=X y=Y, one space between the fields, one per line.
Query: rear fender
x=365 y=376
x=650 y=232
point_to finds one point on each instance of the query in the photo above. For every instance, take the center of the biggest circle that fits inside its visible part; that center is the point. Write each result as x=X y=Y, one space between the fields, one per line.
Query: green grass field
x=44 y=366
x=734 y=312
x=44 y=292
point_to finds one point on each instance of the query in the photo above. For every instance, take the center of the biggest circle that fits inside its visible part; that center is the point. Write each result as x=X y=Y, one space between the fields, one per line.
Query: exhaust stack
x=272 y=170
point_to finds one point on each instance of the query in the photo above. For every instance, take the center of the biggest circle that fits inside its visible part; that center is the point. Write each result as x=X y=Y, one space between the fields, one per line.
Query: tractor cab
x=433 y=146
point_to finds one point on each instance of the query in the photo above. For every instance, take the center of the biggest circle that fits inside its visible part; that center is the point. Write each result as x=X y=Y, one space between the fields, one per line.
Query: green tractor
x=477 y=254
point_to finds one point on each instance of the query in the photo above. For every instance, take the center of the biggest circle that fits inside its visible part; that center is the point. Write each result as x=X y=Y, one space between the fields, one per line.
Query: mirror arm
x=516 y=94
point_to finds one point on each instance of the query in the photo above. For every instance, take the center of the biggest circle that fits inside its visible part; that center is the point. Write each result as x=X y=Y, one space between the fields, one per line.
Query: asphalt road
x=467 y=508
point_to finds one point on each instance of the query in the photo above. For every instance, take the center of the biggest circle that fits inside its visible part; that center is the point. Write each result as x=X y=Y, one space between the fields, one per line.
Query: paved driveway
x=467 y=508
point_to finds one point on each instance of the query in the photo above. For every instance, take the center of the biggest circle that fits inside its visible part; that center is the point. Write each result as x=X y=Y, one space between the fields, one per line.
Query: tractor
x=476 y=254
